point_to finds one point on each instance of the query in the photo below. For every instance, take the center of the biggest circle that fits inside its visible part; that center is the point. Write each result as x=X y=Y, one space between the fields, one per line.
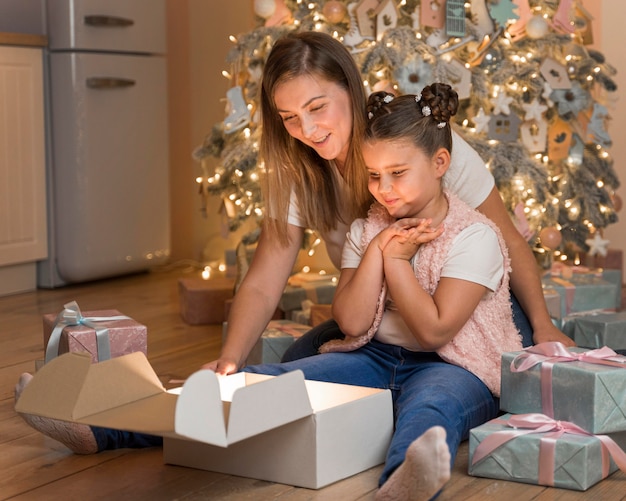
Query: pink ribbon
x=526 y=424
x=548 y=354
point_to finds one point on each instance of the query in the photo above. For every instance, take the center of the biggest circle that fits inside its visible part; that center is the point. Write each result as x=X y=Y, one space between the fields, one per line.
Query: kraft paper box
x=593 y=396
x=577 y=462
x=598 y=330
x=124 y=335
x=595 y=290
x=280 y=429
x=202 y=301
x=277 y=337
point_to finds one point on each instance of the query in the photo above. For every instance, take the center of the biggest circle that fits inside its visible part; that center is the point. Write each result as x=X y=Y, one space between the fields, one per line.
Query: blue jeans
x=309 y=344
x=426 y=391
x=109 y=439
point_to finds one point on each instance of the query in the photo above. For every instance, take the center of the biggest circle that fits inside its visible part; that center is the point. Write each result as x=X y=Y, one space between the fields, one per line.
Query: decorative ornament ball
x=617 y=203
x=334 y=11
x=264 y=8
x=550 y=238
x=537 y=27
x=491 y=59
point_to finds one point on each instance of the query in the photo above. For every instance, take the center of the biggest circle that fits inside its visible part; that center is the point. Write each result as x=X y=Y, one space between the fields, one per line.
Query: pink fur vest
x=490 y=330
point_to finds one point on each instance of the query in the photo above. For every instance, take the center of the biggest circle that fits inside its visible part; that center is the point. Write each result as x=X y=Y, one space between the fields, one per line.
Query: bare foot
x=77 y=437
x=425 y=470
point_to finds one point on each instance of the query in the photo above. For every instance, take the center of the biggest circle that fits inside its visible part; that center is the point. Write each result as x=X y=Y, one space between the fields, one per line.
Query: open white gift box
x=282 y=429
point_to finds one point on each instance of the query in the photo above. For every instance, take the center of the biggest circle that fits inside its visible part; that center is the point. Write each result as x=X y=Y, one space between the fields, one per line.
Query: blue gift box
x=584 y=291
x=591 y=395
x=596 y=330
x=565 y=460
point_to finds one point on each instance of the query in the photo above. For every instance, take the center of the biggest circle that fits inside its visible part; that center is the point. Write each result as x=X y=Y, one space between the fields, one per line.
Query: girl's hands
x=404 y=237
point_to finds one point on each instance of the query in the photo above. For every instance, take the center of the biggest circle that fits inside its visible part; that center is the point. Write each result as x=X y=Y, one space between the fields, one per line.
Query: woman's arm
x=257 y=298
x=525 y=280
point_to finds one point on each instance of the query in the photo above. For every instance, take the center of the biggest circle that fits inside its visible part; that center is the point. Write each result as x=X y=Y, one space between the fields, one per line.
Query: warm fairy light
x=199 y=180
x=206 y=273
x=226 y=74
x=600 y=183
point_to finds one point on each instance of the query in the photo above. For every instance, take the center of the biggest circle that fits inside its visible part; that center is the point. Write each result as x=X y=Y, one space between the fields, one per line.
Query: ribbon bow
x=71 y=315
x=547 y=354
x=526 y=424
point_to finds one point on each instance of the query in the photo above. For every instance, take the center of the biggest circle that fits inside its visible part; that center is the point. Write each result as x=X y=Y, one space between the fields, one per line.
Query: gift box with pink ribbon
x=536 y=449
x=581 y=289
x=586 y=387
x=103 y=334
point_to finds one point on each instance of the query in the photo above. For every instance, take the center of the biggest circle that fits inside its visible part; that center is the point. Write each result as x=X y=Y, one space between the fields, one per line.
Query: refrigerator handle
x=109 y=82
x=108 y=21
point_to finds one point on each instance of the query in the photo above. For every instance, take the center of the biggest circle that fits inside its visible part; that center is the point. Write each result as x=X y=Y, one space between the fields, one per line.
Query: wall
x=609 y=33
x=198 y=43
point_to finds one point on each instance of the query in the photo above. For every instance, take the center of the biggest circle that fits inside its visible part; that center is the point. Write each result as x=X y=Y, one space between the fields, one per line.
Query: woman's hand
x=222 y=366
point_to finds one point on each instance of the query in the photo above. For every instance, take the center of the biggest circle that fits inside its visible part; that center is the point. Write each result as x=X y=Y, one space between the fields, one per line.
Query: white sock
x=77 y=437
x=425 y=470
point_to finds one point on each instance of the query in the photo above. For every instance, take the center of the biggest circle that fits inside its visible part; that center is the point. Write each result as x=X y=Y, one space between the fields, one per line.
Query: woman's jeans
x=426 y=391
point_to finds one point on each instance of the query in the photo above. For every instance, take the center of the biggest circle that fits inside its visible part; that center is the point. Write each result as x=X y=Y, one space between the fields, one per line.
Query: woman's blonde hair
x=290 y=164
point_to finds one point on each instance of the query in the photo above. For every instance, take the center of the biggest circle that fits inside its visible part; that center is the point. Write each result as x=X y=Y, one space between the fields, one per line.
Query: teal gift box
x=563 y=383
x=319 y=292
x=534 y=449
x=588 y=290
x=597 y=330
x=275 y=340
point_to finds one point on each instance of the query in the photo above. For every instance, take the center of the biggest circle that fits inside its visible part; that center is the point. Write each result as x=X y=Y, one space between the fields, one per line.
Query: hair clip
x=370 y=115
x=418 y=98
x=441 y=125
x=426 y=111
x=388 y=98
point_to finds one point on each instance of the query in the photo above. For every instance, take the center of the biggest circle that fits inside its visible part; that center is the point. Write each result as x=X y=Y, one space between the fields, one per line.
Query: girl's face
x=403 y=179
x=318 y=113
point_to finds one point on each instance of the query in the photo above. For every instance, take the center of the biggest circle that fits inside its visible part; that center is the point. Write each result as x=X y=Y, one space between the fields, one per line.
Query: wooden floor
x=35 y=467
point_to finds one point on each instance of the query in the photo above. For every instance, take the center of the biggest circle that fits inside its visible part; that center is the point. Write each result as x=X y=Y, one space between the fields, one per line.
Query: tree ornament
x=550 y=237
x=597 y=245
x=264 y=8
x=537 y=27
x=334 y=11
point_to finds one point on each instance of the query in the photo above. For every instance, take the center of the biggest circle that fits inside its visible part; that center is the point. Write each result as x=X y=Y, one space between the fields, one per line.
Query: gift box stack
x=307 y=297
x=565 y=419
x=103 y=334
x=575 y=291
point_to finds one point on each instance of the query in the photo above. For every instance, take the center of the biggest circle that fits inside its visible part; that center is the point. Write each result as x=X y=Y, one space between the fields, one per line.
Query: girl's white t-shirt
x=467 y=177
x=475 y=256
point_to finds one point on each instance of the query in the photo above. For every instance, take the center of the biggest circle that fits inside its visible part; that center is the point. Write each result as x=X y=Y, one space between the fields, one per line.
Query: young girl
x=422 y=298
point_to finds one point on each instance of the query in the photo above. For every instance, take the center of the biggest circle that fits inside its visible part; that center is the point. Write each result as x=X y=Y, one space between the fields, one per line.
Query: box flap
x=70 y=387
x=258 y=404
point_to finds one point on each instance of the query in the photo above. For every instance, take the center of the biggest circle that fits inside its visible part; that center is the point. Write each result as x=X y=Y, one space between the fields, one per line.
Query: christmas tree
x=534 y=101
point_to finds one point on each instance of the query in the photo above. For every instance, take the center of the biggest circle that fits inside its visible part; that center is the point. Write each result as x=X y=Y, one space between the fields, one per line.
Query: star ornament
x=482 y=121
x=597 y=245
x=501 y=104
x=534 y=110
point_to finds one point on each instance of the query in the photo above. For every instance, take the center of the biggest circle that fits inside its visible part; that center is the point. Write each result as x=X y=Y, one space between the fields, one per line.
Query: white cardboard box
x=281 y=429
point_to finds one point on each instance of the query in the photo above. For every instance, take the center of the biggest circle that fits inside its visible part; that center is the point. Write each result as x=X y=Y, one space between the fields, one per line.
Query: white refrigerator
x=107 y=131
